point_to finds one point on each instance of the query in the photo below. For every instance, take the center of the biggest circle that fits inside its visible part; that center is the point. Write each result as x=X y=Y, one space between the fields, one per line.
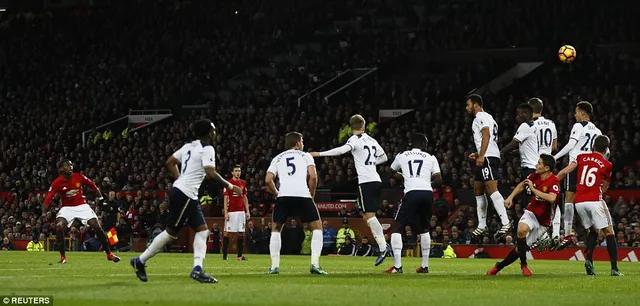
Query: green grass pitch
x=89 y=279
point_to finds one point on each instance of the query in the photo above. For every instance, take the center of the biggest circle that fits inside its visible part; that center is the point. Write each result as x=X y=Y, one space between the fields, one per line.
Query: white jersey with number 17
x=291 y=168
x=193 y=157
x=417 y=168
x=481 y=121
x=365 y=150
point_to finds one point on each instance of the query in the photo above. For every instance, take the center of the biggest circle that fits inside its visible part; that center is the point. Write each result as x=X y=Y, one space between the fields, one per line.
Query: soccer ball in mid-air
x=567 y=54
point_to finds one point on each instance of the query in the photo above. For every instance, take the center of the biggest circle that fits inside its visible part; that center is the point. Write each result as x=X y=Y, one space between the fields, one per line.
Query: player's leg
x=602 y=219
x=569 y=197
x=423 y=227
x=199 y=225
x=396 y=240
x=225 y=241
x=585 y=211
x=481 y=207
x=61 y=226
x=279 y=216
x=308 y=212
x=557 y=220
x=369 y=200
x=102 y=238
x=240 y=224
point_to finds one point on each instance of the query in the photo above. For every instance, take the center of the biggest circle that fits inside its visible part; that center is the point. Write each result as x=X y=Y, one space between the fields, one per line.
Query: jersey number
x=545 y=138
x=292 y=166
x=588 y=177
x=588 y=143
x=411 y=162
x=368 y=162
x=184 y=169
x=495 y=132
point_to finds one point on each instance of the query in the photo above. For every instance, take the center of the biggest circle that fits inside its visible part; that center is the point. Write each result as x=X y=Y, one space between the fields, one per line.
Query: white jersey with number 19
x=481 y=121
x=291 y=168
x=584 y=133
x=365 y=150
x=547 y=133
x=417 y=168
x=193 y=157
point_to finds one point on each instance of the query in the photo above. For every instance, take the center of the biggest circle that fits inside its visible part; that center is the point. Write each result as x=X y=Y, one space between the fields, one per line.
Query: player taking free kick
x=367 y=154
x=536 y=219
x=74 y=207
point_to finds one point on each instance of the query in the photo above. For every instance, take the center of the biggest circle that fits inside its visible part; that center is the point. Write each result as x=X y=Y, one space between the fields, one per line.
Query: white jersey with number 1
x=291 y=168
x=417 y=168
x=547 y=133
x=193 y=157
x=585 y=133
x=481 y=121
x=365 y=150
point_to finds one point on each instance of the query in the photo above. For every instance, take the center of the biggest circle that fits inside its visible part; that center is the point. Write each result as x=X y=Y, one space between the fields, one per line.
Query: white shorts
x=236 y=222
x=594 y=214
x=536 y=231
x=82 y=213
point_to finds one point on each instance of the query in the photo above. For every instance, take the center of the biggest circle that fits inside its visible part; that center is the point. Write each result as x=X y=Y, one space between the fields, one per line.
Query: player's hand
x=248 y=215
x=236 y=189
x=226 y=216
x=315 y=154
x=529 y=183
x=479 y=160
x=473 y=156
x=508 y=202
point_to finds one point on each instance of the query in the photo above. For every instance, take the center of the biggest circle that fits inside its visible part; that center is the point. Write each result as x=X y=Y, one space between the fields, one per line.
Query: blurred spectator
x=292 y=238
x=343 y=233
x=6 y=245
x=328 y=239
x=348 y=249
x=254 y=235
x=306 y=243
x=365 y=248
x=35 y=244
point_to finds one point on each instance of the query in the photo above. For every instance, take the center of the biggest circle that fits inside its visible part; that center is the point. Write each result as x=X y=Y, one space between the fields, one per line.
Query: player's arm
x=226 y=202
x=172 y=166
x=554 y=134
x=209 y=164
x=573 y=140
x=88 y=182
x=549 y=196
x=382 y=158
x=246 y=201
x=436 y=177
x=53 y=190
x=272 y=171
x=518 y=138
x=396 y=167
x=335 y=151
x=485 y=141
x=313 y=175
x=568 y=169
x=516 y=191
x=607 y=179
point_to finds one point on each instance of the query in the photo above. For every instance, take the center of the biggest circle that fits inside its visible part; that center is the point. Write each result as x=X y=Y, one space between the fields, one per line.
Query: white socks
x=396 y=244
x=316 y=247
x=482 y=204
x=378 y=233
x=274 y=249
x=498 y=204
x=200 y=247
x=425 y=246
x=568 y=218
x=557 y=216
x=156 y=246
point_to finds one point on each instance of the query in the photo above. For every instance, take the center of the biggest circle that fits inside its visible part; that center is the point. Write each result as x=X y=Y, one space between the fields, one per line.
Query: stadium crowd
x=63 y=74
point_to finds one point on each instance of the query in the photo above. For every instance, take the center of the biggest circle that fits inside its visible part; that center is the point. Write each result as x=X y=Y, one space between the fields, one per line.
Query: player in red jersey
x=236 y=213
x=594 y=174
x=536 y=219
x=74 y=207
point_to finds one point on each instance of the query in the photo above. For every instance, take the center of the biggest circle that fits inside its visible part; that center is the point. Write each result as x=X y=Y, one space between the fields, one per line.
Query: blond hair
x=357 y=122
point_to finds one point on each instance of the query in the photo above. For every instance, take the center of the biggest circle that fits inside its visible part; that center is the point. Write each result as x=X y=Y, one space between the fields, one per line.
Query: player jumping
x=536 y=219
x=418 y=169
x=74 y=207
x=487 y=161
x=197 y=159
x=594 y=174
x=294 y=198
x=547 y=144
x=367 y=154
x=236 y=213
x=581 y=140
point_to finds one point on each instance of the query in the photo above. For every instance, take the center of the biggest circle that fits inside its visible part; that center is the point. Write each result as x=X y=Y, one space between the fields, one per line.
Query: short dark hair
x=62 y=162
x=585 y=107
x=536 y=105
x=601 y=143
x=203 y=127
x=291 y=139
x=527 y=109
x=475 y=98
x=419 y=140
x=548 y=161
x=236 y=166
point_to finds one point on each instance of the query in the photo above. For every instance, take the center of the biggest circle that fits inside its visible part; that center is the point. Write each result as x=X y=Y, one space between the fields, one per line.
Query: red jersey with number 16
x=70 y=190
x=236 y=201
x=593 y=170
x=542 y=209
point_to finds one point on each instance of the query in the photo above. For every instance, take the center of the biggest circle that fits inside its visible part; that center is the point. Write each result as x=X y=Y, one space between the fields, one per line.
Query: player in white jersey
x=367 y=154
x=418 y=168
x=581 y=140
x=197 y=160
x=294 y=198
x=548 y=143
x=487 y=162
x=526 y=140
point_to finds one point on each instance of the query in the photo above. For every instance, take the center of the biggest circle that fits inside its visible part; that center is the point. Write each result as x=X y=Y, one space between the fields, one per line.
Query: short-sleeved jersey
x=70 y=190
x=365 y=150
x=417 y=168
x=236 y=200
x=193 y=157
x=593 y=170
x=584 y=133
x=481 y=121
x=291 y=168
x=527 y=136
x=547 y=133
x=542 y=209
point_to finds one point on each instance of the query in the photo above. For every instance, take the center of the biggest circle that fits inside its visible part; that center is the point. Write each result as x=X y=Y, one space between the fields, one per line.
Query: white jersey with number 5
x=547 y=133
x=584 y=133
x=417 y=168
x=365 y=150
x=193 y=157
x=481 y=121
x=291 y=168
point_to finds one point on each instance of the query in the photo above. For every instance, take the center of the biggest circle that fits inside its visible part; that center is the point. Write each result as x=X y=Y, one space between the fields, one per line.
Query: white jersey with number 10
x=291 y=168
x=547 y=133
